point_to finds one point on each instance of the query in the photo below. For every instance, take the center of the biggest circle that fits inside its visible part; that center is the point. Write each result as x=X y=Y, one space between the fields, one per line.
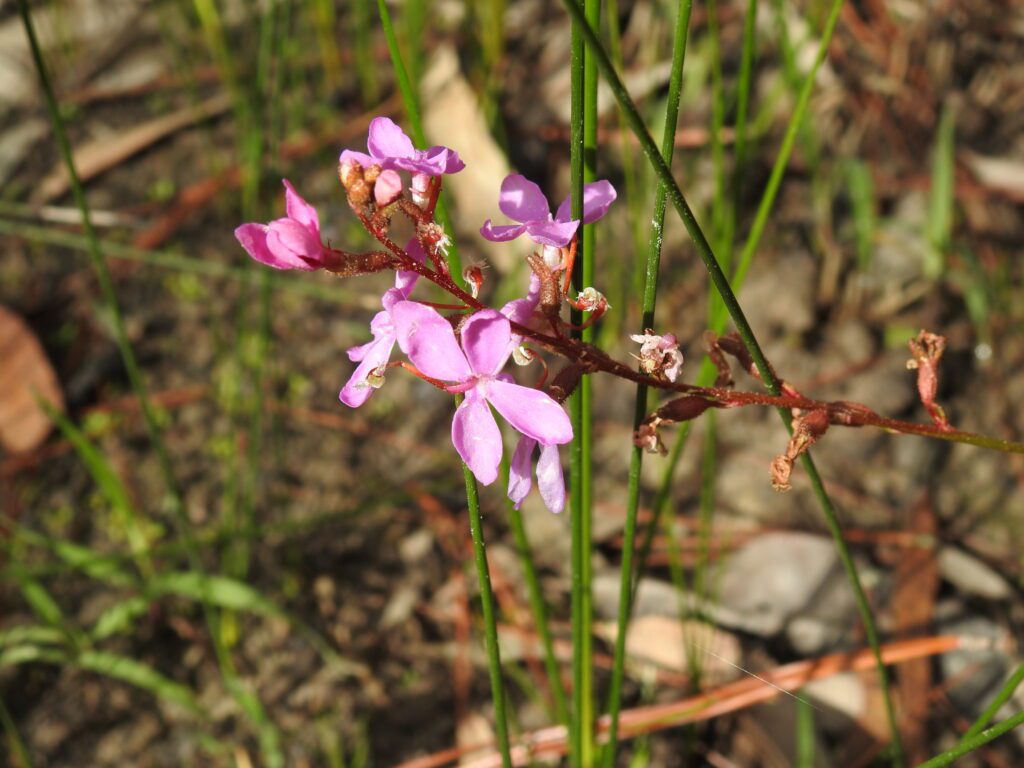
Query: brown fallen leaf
x=25 y=375
x=97 y=157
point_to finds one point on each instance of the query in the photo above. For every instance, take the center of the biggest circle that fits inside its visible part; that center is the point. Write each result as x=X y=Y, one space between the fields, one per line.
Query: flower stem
x=490 y=624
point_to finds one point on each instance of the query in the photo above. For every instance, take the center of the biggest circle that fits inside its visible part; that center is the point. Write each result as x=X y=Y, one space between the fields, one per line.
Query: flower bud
x=552 y=256
x=372 y=173
x=349 y=172
x=387 y=188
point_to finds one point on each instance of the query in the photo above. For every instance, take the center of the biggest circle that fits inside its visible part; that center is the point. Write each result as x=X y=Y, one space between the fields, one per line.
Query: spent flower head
x=659 y=355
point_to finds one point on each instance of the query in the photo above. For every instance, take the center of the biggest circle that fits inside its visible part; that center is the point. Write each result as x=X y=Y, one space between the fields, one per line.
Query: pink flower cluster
x=463 y=355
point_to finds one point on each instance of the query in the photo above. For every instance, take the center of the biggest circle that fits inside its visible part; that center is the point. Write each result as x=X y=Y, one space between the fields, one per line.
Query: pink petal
x=477 y=438
x=501 y=233
x=386 y=139
x=519 y=480
x=428 y=340
x=550 y=482
x=530 y=411
x=356 y=391
x=522 y=200
x=521 y=310
x=597 y=198
x=291 y=241
x=298 y=209
x=557 y=233
x=486 y=338
x=359 y=157
x=253 y=237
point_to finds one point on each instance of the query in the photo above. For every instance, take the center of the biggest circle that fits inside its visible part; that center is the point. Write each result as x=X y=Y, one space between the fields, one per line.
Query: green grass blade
x=1001 y=698
x=861 y=190
x=746 y=334
x=120 y=617
x=362 y=51
x=15 y=746
x=940 y=204
x=32 y=634
x=221 y=591
x=110 y=486
x=138 y=674
x=804 y=734
x=650 y=296
x=171 y=260
x=975 y=742
x=490 y=620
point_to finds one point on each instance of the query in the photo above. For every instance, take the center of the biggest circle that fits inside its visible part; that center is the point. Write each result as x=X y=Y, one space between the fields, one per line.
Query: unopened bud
x=349 y=172
x=372 y=173
x=552 y=256
x=387 y=188
x=360 y=192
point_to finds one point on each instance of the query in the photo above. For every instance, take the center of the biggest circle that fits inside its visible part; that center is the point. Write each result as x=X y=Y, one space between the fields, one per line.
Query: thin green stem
x=975 y=742
x=412 y=111
x=746 y=334
x=582 y=710
x=490 y=624
x=650 y=296
x=1001 y=698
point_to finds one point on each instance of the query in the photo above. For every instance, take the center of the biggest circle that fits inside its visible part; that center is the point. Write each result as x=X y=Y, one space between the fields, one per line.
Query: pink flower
x=521 y=200
x=429 y=341
x=375 y=354
x=289 y=243
x=390 y=148
x=550 y=482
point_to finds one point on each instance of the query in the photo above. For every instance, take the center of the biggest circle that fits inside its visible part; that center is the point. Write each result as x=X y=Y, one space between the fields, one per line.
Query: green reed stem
x=581 y=733
x=1001 y=698
x=490 y=623
x=975 y=742
x=650 y=296
x=746 y=334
